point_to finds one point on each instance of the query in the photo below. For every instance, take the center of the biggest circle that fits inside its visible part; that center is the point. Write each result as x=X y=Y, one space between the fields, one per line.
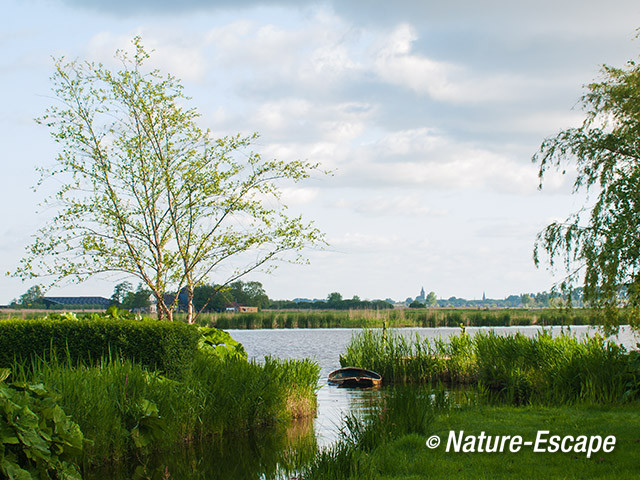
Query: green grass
x=390 y=444
x=408 y=458
x=403 y=410
x=412 y=360
x=124 y=408
x=520 y=385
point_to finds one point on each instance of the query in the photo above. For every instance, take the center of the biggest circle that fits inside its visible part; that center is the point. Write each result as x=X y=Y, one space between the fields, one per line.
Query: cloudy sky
x=428 y=112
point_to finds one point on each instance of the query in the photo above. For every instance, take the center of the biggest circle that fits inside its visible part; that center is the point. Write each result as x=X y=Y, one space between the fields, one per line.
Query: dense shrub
x=168 y=347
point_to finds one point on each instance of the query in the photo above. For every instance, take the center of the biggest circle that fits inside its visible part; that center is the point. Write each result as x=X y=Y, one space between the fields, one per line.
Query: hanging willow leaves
x=600 y=244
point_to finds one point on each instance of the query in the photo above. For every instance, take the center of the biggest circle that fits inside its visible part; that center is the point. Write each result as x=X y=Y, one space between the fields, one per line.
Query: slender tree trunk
x=159 y=307
x=190 y=309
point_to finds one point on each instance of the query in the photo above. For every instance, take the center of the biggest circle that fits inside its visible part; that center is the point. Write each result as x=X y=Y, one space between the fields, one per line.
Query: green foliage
x=600 y=245
x=414 y=360
x=221 y=344
x=371 y=318
x=248 y=293
x=167 y=347
x=138 y=300
x=513 y=368
x=553 y=370
x=407 y=458
x=115 y=313
x=123 y=407
x=32 y=298
x=401 y=411
x=37 y=439
x=431 y=299
x=211 y=298
x=119 y=293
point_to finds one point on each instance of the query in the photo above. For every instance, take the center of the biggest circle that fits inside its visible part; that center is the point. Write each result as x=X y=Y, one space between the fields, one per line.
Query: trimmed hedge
x=165 y=346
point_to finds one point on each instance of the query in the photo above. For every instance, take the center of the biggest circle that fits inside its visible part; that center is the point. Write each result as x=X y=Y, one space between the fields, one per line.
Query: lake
x=324 y=345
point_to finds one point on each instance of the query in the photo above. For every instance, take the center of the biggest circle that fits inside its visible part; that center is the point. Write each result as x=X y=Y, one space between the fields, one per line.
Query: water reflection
x=268 y=454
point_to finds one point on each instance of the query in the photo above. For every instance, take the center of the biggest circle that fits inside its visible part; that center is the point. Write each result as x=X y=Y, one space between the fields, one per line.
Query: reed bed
x=402 y=411
x=428 y=317
x=401 y=359
x=513 y=368
x=125 y=408
x=434 y=317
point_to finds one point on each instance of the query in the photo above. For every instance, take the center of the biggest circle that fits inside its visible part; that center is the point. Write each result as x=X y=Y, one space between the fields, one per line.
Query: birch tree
x=143 y=190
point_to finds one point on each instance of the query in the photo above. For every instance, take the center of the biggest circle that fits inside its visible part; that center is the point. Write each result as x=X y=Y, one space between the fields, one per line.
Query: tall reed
x=402 y=411
x=431 y=317
x=409 y=360
x=512 y=368
x=123 y=407
x=553 y=370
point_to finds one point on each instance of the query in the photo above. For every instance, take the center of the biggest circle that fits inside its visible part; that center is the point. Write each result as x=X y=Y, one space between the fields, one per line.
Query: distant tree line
x=217 y=298
x=32 y=298
x=206 y=298
x=524 y=300
x=334 y=301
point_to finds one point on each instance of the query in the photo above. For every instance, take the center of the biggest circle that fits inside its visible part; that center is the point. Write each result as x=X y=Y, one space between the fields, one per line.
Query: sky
x=427 y=112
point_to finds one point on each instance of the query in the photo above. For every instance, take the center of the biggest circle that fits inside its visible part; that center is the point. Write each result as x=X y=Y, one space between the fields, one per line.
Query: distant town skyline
x=428 y=114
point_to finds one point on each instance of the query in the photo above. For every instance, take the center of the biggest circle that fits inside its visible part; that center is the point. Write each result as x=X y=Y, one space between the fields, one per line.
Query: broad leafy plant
x=37 y=439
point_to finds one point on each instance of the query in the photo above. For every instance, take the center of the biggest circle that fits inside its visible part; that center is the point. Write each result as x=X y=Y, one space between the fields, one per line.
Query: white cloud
x=424 y=158
x=298 y=195
x=396 y=64
x=364 y=242
x=391 y=205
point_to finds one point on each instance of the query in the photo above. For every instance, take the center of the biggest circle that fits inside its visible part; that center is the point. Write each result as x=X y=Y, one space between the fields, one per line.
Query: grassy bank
x=124 y=408
x=124 y=388
x=391 y=443
x=516 y=385
x=433 y=317
x=512 y=368
x=408 y=458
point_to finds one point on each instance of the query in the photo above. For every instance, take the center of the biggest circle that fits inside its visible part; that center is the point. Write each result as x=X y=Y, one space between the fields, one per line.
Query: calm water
x=269 y=453
x=324 y=345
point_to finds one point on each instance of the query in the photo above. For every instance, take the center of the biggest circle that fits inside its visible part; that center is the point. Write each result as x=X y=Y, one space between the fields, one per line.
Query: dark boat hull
x=353 y=377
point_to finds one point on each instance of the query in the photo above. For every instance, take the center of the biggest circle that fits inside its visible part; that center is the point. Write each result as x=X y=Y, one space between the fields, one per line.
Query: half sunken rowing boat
x=355 y=377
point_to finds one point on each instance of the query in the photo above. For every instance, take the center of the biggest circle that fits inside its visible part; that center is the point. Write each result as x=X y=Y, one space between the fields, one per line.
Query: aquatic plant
x=507 y=368
x=124 y=407
x=412 y=360
x=402 y=411
x=431 y=317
